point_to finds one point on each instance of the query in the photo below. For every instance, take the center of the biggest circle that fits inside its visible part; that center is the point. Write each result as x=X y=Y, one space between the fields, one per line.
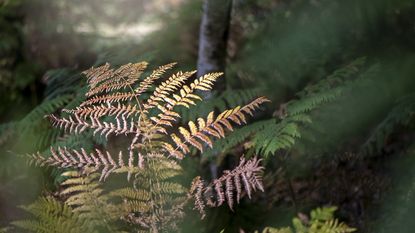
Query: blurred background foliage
x=340 y=74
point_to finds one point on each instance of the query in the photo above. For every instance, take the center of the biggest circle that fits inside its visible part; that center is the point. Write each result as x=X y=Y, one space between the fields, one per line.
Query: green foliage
x=272 y=135
x=395 y=213
x=50 y=215
x=321 y=221
x=296 y=113
x=17 y=72
x=113 y=107
x=279 y=47
x=84 y=194
x=401 y=115
x=156 y=200
x=32 y=127
x=92 y=209
x=62 y=90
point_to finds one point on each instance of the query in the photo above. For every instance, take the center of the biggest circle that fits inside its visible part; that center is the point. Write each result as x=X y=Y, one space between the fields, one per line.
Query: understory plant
x=143 y=114
x=320 y=220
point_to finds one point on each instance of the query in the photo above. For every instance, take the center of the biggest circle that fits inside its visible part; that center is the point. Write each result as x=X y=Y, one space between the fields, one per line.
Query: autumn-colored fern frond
x=110 y=80
x=167 y=87
x=246 y=176
x=97 y=111
x=215 y=127
x=95 y=75
x=110 y=98
x=157 y=73
x=196 y=191
x=166 y=117
x=155 y=199
x=98 y=160
x=78 y=125
x=185 y=96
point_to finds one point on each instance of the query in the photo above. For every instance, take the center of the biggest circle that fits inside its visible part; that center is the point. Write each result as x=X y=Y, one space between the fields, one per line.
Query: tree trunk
x=213 y=38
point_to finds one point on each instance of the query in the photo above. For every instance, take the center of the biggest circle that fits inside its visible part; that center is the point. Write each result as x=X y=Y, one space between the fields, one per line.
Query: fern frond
x=156 y=201
x=32 y=127
x=238 y=136
x=283 y=134
x=84 y=194
x=184 y=97
x=49 y=215
x=187 y=96
x=326 y=90
x=166 y=88
x=275 y=230
x=98 y=74
x=45 y=108
x=210 y=127
x=245 y=177
x=110 y=98
x=66 y=158
x=79 y=125
x=157 y=73
x=402 y=114
x=196 y=191
x=124 y=110
x=226 y=100
x=338 y=78
x=332 y=226
x=276 y=136
x=322 y=220
x=124 y=76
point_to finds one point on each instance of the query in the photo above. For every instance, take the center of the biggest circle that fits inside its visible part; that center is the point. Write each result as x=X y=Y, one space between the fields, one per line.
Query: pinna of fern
x=246 y=177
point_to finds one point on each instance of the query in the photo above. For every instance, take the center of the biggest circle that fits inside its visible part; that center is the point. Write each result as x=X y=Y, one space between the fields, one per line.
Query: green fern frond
x=275 y=230
x=282 y=135
x=402 y=114
x=156 y=198
x=49 y=215
x=269 y=136
x=238 y=136
x=321 y=221
x=86 y=197
x=33 y=128
x=326 y=90
x=277 y=136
